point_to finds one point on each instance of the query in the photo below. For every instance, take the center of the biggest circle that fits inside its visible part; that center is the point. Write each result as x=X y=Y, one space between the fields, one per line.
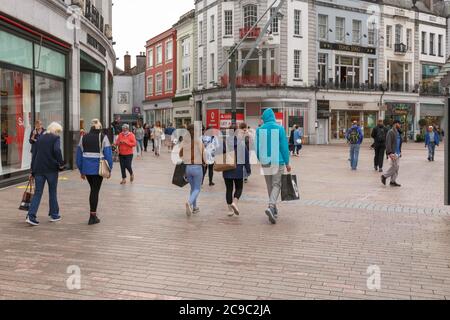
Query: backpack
x=381 y=135
x=353 y=136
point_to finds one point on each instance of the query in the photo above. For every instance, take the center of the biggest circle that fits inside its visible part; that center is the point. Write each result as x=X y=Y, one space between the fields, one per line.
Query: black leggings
x=238 y=184
x=125 y=164
x=380 y=153
x=210 y=169
x=145 y=143
x=96 y=183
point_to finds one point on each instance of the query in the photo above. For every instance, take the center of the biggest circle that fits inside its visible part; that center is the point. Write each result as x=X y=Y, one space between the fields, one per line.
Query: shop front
x=434 y=114
x=33 y=80
x=159 y=111
x=183 y=112
x=404 y=112
x=344 y=113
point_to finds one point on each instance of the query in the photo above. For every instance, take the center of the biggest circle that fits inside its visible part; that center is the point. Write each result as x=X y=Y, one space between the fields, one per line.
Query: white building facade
x=56 y=64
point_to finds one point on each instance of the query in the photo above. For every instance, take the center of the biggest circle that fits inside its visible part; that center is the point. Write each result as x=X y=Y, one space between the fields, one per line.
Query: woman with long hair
x=140 y=134
x=193 y=155
x=157 y=133
x=92 y=148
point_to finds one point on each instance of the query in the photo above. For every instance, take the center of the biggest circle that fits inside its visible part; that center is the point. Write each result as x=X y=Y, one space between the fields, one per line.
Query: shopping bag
x=27 y=197
x=289 y=188
x=179 y=175
x=225 y=162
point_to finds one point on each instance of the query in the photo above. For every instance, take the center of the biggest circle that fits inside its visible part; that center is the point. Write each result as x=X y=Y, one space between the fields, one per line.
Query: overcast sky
x=136 y=21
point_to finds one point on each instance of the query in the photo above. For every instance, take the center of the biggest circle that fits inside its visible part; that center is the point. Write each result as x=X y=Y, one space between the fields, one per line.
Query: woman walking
x=140 y=134
x=193 y=155
x=92 y=148
x=158 y=133
x=46 y=163
x=234 y=179
x=126 y=142
x=146 y=136
x=211 y=144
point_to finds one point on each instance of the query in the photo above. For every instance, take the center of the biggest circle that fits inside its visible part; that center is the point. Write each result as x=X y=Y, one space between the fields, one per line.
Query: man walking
x=379 y=136
x=354 y=137
x=432 y=140
x=393 y=143
x=272 y=150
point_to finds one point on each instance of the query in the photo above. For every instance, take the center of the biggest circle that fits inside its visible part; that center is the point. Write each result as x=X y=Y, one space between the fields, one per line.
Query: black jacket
x=375 y=132
x=47 y=156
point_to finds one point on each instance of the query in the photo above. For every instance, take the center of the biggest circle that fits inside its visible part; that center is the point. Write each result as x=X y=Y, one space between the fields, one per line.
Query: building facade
x=161 y=78
x=183 y=103
x=56 y=64
x=276 y=75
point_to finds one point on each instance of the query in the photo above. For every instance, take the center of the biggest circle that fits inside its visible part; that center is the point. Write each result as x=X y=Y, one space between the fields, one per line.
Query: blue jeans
x=354 y=155
x=52 y=180
x=431 y=150
x=139 y=146
x=194 y=174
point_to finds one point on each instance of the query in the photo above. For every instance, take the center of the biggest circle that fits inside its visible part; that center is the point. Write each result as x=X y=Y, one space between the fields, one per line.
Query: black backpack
x=381 y=135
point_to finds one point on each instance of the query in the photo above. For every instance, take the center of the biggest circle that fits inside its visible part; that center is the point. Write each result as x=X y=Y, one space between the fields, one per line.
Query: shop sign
x=212 y=118
x=295 y=120
x=226 y=120
x=136 y=110
x=345 y=47
x=401 y=109
x=280 y=118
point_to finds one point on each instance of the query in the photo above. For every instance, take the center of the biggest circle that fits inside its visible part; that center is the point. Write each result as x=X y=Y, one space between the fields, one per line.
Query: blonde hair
x=54 y=128
x=96 y=124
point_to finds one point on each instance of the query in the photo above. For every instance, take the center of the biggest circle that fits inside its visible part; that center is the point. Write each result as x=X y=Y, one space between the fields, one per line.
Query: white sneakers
x=230 y=211
x=233 y=209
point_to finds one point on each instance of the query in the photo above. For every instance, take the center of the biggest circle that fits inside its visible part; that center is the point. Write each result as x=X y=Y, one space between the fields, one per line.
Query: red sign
x=280 y=118
x=212 y=119
x=226 y=120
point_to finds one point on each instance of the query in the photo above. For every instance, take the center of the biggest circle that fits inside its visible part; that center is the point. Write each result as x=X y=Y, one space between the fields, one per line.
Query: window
x=409 y=39
x=297 y=23
x=169 y=50
x=186 y=78
x=200 y=71
x=213 y=68
x=398 y=33
x=250 y=15
x=275 y=26
x=169 y=81
x=228 y=22
x=432 y=39
x=200 y=33
x=150 y=58
x=186 y=47
x=340 y=29
x=389 y=36
x=440 y=41
x=297 y=63
x=371 y=73
x=212 y=35
x=322 y=72
x=323 y=27
x=424 y=43
x=150 y=86
x=356 y=31
x=9 y=53
x=159 y=83
x=159 y=58
x=371 y=34
x=49 y=61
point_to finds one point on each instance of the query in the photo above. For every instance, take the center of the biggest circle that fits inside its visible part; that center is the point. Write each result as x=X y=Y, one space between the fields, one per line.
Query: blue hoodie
x=264 y=144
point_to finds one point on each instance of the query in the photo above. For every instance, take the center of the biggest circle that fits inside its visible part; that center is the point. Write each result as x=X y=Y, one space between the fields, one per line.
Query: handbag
x=27 y=197
x=225 y=163
x=179 y=175
x=104 y=170
x=299 y=141
x=289 y=188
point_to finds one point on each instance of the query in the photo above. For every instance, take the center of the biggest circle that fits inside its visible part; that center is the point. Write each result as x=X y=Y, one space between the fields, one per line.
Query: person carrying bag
x=27 y=196
x=289 y=188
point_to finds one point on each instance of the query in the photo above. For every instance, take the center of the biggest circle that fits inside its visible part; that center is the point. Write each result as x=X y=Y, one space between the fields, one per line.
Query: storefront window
x=15 y=119
x=347 y=72
x=15 y=50
x=89 y=109
x=50 y=102
x=91 y=81
x=49 y=61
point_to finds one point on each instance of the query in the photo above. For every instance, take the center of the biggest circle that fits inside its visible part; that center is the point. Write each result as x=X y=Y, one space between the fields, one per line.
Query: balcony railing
x=356 y=86
x=254 y=33
x=400 y=48
x=433 y=89
x=273 y=80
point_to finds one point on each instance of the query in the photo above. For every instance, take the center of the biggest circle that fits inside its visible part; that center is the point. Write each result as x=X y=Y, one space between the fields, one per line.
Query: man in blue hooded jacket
x=272 y=149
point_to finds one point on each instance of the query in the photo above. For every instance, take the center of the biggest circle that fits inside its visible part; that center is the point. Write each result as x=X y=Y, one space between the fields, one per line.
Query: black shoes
x=381 y=170
x=376 y=168
x=395 y=184
x=212 y=184
x=93 y=220
x=383 y=180
x=271 y=214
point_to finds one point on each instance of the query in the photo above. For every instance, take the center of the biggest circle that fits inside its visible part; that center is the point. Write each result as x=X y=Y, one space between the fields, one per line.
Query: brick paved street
x=146 y=248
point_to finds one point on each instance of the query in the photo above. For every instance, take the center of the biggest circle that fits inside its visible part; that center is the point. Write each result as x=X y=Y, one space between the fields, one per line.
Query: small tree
x=423 y=123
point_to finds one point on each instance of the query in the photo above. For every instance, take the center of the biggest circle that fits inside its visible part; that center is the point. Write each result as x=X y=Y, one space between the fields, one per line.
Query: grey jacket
x=391 y=141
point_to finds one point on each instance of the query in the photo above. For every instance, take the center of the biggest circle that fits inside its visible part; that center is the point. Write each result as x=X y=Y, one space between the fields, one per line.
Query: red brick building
x=161 y=77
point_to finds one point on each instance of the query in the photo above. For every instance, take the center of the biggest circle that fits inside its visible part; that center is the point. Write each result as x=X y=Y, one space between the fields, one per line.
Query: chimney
x=127 y=62
x=141 y=62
